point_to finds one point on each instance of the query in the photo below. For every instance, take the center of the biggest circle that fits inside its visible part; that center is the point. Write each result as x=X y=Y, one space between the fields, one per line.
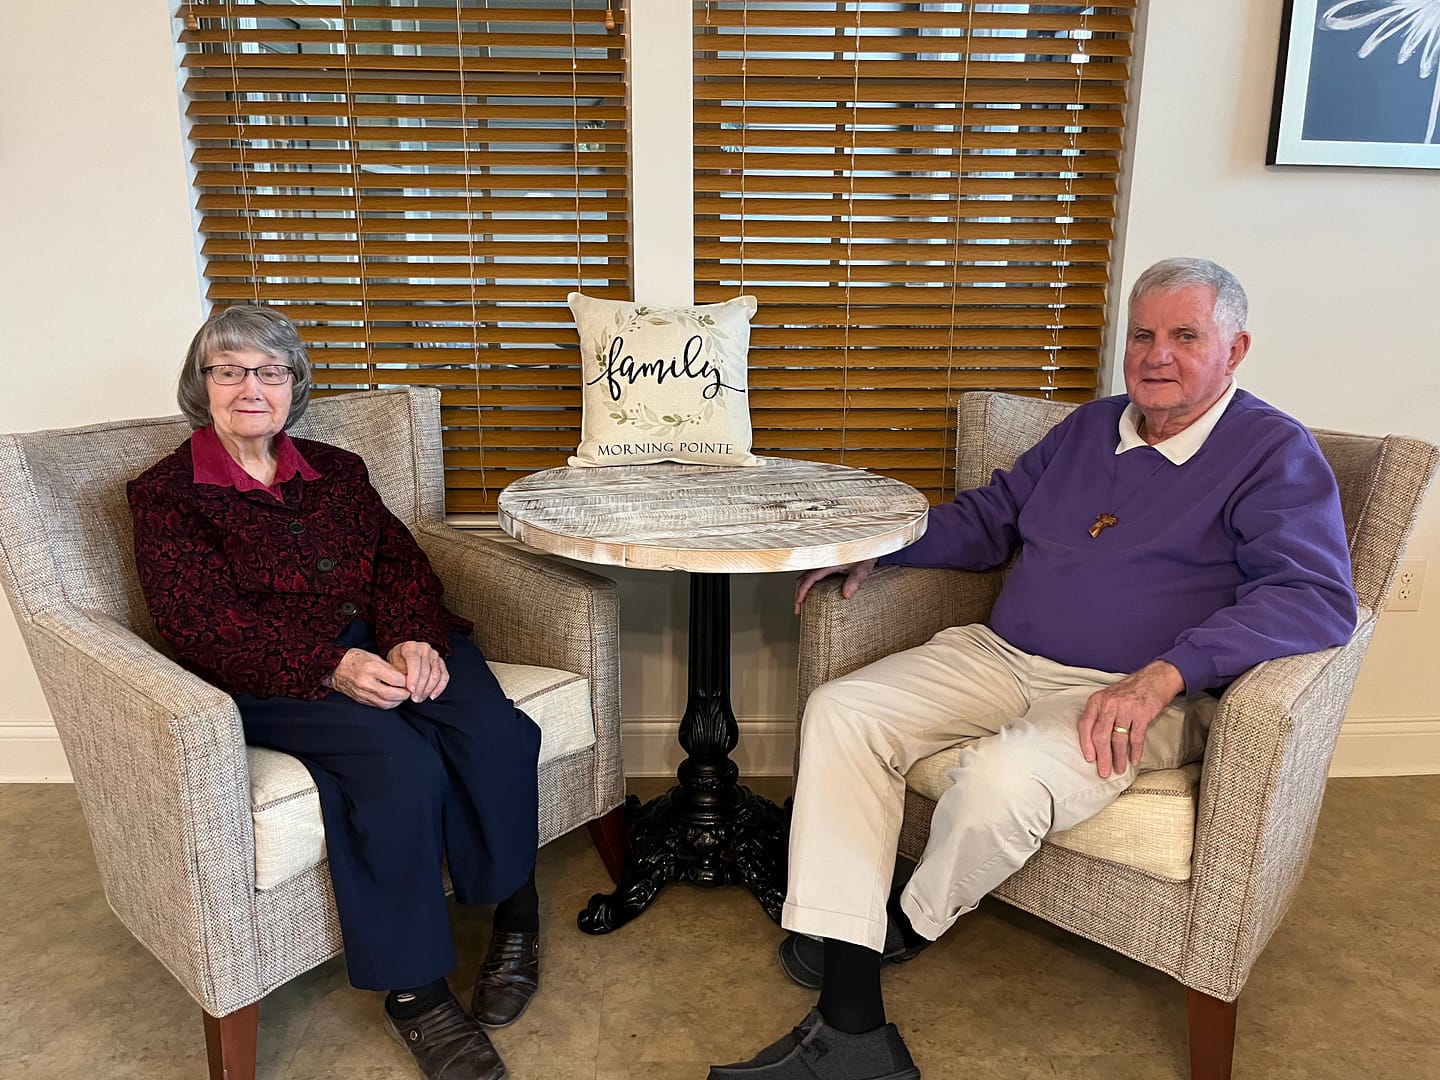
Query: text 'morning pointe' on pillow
x=664 y=383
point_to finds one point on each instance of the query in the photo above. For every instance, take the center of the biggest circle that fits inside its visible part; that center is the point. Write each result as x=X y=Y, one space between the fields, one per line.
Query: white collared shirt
x=1183 y=445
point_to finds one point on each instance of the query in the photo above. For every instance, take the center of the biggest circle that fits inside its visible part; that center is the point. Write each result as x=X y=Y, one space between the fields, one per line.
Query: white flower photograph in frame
x=1357 y=84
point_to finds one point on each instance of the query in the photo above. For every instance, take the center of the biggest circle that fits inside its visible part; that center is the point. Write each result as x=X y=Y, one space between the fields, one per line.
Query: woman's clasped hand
x=413 y=671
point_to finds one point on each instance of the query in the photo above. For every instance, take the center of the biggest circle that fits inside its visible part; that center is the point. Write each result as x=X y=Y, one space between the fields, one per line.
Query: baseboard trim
x=651 y=746
x=30 y=751
x=1388 y=746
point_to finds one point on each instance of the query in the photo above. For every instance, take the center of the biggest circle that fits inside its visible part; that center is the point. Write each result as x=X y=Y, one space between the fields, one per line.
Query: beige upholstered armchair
x=214 y=856
x=1192 y=869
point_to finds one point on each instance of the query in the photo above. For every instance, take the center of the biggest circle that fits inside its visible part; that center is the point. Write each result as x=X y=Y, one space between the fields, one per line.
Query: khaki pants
x=1020 y=775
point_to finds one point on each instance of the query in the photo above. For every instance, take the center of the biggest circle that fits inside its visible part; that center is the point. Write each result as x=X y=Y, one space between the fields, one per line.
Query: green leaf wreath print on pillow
x=664 y=383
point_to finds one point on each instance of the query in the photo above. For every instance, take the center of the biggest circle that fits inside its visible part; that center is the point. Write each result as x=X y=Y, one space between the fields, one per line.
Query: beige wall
x=1344 y=279
x=1339 y=265
x=98 y=284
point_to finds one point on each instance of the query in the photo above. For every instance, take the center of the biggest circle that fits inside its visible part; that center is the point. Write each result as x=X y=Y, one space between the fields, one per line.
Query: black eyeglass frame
x=290 y=371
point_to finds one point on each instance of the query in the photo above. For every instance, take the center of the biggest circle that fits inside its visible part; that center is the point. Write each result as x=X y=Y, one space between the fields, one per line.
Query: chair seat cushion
x=289 y=834
x=1151 y=826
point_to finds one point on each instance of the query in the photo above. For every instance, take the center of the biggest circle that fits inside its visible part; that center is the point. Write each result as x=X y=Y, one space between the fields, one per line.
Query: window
x=921 y=195
x=418 y=187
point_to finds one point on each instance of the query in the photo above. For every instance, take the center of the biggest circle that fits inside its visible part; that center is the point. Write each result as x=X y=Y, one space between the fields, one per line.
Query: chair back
x=65 y=532
x=1382 y=478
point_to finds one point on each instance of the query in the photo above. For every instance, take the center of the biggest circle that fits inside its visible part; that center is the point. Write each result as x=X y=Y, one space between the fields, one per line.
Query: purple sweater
x=1235 y=557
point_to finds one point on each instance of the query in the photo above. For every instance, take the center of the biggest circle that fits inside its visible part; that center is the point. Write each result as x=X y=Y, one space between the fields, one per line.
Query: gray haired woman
x=275 y=572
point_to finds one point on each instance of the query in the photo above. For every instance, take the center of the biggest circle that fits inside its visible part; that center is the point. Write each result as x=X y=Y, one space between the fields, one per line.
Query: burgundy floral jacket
x=251 y=592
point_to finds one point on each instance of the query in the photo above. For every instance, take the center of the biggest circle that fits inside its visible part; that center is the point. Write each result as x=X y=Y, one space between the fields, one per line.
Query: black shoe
x=816 y=1051
x=447 y=1045
x=803 y=957
x=508 y=979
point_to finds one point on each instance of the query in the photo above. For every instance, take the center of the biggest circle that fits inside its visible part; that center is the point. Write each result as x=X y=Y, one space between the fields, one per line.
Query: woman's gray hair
x=1231 y=307
x=245 y=326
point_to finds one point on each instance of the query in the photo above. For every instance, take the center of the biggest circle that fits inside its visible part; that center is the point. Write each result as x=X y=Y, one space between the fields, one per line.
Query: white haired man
x=1168 y=539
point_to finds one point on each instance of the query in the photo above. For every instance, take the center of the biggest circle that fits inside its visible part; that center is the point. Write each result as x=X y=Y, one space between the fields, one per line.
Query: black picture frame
x=1350 y=88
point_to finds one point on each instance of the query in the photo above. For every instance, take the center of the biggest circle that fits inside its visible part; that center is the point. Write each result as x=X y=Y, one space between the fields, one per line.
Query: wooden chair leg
x=1212 y=1035
x=230 y=1043
x=612 y=840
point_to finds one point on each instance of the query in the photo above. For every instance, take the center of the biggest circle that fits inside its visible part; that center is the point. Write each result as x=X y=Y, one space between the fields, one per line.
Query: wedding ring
x=1120 y=730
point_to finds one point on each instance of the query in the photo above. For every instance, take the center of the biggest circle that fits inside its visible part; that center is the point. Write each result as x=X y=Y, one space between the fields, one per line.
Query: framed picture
x=1357 y=84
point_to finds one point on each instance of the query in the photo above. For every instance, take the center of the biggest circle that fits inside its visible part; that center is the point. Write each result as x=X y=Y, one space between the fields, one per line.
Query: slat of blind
x=373 y=268
x=919 y=114
x=382 y=224
x=520 y=12
x=1025 y=186
x=536 y=160
x=940 y=314
x=844 y=38
x=418 y=248
x=409 y=110
x=1004 y=91
x=883 y=381
x=924 y=296
x=370 y=63
x=972 y=160
x=446 y=313
x=395 y=35
x=420 y=292
x=909 y=139
x=256 y=178
x=418 y=204
x=420 y=195
x=856 y=337
x=918 y=69
x=896 y=228
x=791 y=208
x=521 y=367
x=865 y=274
x=282 y=81
x=913 y=17
x=936 y=255
x=379 y=131
x=921 y=199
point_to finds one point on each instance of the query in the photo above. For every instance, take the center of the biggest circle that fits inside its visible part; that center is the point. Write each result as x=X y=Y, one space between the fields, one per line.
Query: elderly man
x=1168 y=539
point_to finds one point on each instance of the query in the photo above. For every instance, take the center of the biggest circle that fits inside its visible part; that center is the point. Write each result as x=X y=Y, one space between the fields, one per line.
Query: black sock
x=520 y=912
x=850 y=998
x=912 y=937
x=408 y=1004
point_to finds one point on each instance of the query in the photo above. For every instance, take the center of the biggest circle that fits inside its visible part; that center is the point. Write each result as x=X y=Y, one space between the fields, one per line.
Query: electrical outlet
x=1409 y=580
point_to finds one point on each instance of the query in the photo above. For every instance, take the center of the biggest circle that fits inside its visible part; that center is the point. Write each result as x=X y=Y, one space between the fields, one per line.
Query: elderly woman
x=275 y=572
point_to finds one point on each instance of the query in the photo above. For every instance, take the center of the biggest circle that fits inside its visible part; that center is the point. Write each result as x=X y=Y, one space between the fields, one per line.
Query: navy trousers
x=399 y=788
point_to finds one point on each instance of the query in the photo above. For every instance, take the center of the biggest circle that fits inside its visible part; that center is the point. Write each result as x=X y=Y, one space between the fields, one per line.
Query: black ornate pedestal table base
x=707 y=830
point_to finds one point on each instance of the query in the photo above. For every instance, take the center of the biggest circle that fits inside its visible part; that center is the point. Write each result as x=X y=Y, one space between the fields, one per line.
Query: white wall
x=98 y=287
x=1340 y=265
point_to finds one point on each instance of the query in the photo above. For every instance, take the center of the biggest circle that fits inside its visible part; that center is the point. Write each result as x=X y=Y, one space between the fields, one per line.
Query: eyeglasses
x=231 y=374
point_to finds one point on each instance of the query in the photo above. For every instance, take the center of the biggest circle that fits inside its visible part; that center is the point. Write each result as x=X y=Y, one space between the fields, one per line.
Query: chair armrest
x=159 y=763
x=897 y=608
x=531 y=609
x=1266 y=764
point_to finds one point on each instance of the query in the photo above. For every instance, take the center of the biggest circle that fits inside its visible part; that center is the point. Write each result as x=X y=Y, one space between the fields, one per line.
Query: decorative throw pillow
x=664 y=383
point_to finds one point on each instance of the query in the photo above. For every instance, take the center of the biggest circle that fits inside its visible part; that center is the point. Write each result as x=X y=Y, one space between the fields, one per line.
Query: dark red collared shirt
x=251 y=586
x=214 y=465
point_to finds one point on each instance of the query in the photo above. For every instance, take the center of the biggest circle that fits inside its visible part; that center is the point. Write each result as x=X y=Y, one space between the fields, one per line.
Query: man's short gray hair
x=1168 y=275
x=234 y=329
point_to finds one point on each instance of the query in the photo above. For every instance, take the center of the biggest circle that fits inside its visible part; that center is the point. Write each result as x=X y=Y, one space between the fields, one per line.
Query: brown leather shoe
x=508 y=979
x=447 y=1045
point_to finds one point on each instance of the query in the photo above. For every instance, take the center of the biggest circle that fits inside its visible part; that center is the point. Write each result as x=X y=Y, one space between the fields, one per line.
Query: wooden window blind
x=418 y=187
x=922 y=196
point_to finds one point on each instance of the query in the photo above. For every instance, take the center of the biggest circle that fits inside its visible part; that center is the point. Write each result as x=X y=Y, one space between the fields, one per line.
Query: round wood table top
x=782 y=515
